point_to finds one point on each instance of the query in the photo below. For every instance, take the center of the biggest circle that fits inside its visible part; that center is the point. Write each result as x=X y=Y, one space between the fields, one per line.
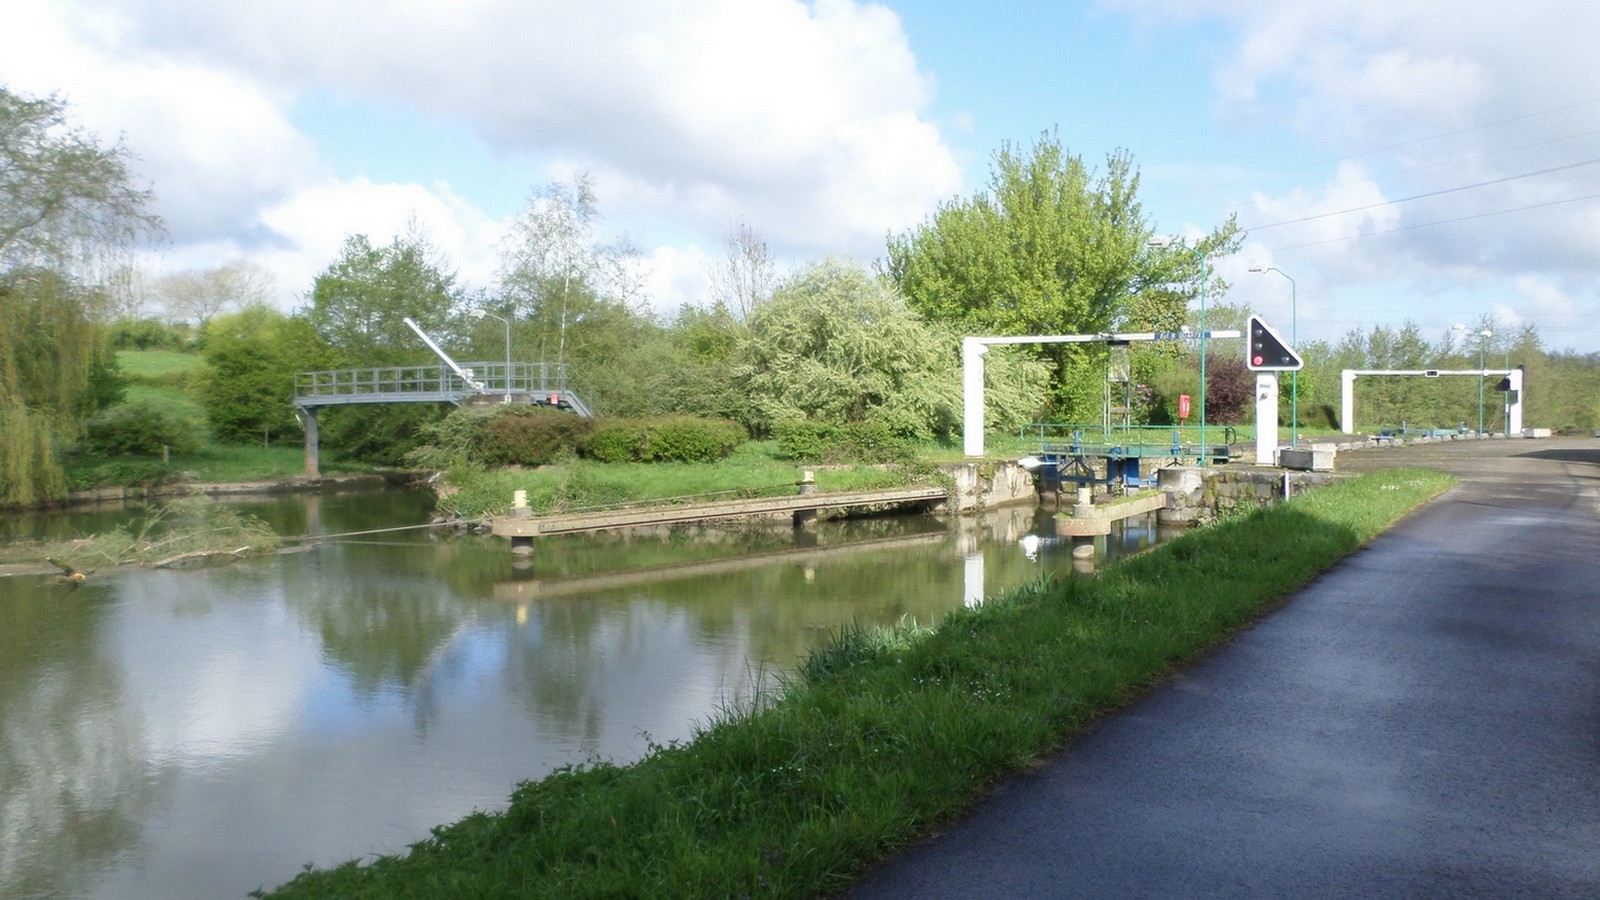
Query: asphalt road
x=1421 y=721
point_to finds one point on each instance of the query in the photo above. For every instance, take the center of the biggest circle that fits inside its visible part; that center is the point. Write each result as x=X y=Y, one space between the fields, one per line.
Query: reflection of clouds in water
x=213 y=686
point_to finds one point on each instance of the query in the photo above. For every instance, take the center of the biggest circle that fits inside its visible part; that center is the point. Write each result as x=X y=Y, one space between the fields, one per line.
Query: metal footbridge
x=534 y=384
x=546 y=384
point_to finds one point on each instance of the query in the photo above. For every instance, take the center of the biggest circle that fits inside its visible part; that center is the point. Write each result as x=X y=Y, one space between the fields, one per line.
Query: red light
x=1258 y=360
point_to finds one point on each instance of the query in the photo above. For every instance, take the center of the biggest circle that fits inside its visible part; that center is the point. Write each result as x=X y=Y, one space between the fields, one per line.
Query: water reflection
x=204 y=733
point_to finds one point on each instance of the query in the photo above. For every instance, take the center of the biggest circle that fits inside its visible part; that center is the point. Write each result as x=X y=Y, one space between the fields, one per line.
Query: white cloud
x=804 y=119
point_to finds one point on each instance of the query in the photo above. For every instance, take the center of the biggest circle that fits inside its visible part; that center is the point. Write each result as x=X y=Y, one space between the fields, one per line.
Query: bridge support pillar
x=312 y=471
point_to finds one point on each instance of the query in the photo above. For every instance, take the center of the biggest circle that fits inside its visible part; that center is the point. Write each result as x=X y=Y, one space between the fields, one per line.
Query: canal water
x=205 y=733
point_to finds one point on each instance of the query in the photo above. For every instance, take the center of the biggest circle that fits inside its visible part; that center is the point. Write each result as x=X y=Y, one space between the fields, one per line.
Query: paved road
x=1422 y=721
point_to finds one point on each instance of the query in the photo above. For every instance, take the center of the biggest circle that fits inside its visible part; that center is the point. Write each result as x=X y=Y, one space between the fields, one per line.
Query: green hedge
x=820 y=442
x=136 y=429
x=670 y=439
x=501 y=436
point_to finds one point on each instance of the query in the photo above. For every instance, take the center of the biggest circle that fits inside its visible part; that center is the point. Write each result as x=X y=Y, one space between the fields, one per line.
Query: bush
x=670 y=439
x=500 y=436
x=530 y=435
x=820 y=442
x=136 y=429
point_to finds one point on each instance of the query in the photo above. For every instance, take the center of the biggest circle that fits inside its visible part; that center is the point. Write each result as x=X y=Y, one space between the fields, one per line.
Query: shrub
x=499 y=436
x=136 y=429
x=614 y=441
x=820 y=442
x=669 y=439
x=529 y=435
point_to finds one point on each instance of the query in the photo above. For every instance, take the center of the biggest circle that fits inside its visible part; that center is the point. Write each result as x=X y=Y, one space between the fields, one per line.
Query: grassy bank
x=887 y=732
x=754 y=470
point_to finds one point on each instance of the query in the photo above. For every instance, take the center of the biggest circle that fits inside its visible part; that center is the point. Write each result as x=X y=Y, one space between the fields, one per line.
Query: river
x=204 y=733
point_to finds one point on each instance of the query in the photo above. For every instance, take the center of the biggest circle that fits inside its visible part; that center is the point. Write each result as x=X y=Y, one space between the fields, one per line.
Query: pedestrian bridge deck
x=543 y=383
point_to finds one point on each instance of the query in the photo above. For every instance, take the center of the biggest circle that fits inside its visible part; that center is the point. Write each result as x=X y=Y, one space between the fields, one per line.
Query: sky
x=1426 y=161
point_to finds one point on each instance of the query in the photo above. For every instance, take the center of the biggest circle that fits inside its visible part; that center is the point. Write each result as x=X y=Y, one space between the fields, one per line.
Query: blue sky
x=1417 y=160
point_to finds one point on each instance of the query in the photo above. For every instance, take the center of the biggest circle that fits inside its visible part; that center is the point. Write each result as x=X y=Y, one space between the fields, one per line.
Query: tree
x=836 y=345
x=1049 y=248
x=55 y=369
x=558 y=275
x=247 y=386
x=65 y=202
x=64 y=198
x=359 y=304
x=196 y=295
x=745 y=278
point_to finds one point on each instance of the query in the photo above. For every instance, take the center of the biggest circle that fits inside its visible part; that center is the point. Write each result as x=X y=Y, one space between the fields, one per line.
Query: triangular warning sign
x=1266 y=352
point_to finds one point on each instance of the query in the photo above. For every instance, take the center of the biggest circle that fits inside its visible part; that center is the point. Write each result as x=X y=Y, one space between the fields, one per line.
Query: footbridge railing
x=550 y=384
x=542 y=384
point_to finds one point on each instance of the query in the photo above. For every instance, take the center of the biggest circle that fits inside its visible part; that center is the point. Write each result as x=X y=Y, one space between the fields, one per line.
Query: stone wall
x=1194 y=494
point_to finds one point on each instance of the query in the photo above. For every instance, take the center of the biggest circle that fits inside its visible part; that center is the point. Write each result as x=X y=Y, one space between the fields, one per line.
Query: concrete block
x=1541 y=432
x=1316 y=458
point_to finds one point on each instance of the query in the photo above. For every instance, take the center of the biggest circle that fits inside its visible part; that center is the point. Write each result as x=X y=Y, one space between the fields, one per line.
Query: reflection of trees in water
x=386 y=630
x=73 y=783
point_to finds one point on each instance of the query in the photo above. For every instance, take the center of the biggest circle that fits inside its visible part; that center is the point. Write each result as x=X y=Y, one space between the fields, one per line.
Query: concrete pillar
x=312 y=470
x=521 y=545
x=1347 y=401
x=1266 y=418
x=807 y=485
x=972 y=351
x=1514 y=408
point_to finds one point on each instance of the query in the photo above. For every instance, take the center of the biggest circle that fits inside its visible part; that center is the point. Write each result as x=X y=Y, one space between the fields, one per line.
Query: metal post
x=1169 y=241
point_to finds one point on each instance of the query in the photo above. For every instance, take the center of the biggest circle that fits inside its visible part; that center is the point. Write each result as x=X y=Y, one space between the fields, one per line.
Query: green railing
x=1178 y=441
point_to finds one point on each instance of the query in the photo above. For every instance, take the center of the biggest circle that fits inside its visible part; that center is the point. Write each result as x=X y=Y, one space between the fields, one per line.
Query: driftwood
x=197 y=555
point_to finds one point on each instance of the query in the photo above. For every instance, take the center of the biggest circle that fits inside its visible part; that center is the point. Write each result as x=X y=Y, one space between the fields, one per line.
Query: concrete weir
x=974 y=486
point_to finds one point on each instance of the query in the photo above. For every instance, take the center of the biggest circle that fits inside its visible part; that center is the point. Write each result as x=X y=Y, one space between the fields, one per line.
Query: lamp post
x=1483 y=336
x=1294 y=338
x=478 y=314
x=1162 y=242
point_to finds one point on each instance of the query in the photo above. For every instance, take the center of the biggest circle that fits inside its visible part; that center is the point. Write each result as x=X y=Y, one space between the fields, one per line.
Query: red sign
x=1183 y=406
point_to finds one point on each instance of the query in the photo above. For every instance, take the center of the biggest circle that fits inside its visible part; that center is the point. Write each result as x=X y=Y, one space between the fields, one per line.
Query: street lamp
x=1294 y=338
x=1162 y=242
x=1483 y=336
x=478 y=314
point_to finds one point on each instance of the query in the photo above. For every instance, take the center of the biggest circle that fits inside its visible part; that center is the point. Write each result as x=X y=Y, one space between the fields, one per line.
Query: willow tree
x=66 y=202
x=1051 y=247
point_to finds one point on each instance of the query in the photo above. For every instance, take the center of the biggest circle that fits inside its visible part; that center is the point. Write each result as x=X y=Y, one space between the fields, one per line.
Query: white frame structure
x=1347 y=392
x=973 y=349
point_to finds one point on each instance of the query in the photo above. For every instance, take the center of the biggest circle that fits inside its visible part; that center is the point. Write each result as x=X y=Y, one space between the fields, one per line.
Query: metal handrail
x=439 y=382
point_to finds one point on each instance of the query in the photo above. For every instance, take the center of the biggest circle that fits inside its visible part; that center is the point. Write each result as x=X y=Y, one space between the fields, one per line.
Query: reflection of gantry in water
x=538 y=588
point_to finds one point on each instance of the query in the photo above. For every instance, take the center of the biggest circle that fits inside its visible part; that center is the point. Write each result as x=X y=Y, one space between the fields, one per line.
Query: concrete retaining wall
x=1194 y=494
x=985 y=485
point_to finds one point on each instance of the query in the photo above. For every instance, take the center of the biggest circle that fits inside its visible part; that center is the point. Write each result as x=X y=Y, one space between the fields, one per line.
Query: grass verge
x=886 y=732
x=754 y=470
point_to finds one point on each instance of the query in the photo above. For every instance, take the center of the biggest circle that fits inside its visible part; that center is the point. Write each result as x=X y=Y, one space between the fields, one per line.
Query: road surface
x=1421 y=721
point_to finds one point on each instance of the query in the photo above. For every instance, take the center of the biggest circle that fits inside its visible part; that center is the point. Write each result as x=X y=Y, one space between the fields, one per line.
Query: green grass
x=754 y=470
x=887 y=733
x=156 y=365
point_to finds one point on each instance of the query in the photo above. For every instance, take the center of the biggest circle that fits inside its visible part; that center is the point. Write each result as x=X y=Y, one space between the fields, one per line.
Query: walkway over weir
x=538 y=383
